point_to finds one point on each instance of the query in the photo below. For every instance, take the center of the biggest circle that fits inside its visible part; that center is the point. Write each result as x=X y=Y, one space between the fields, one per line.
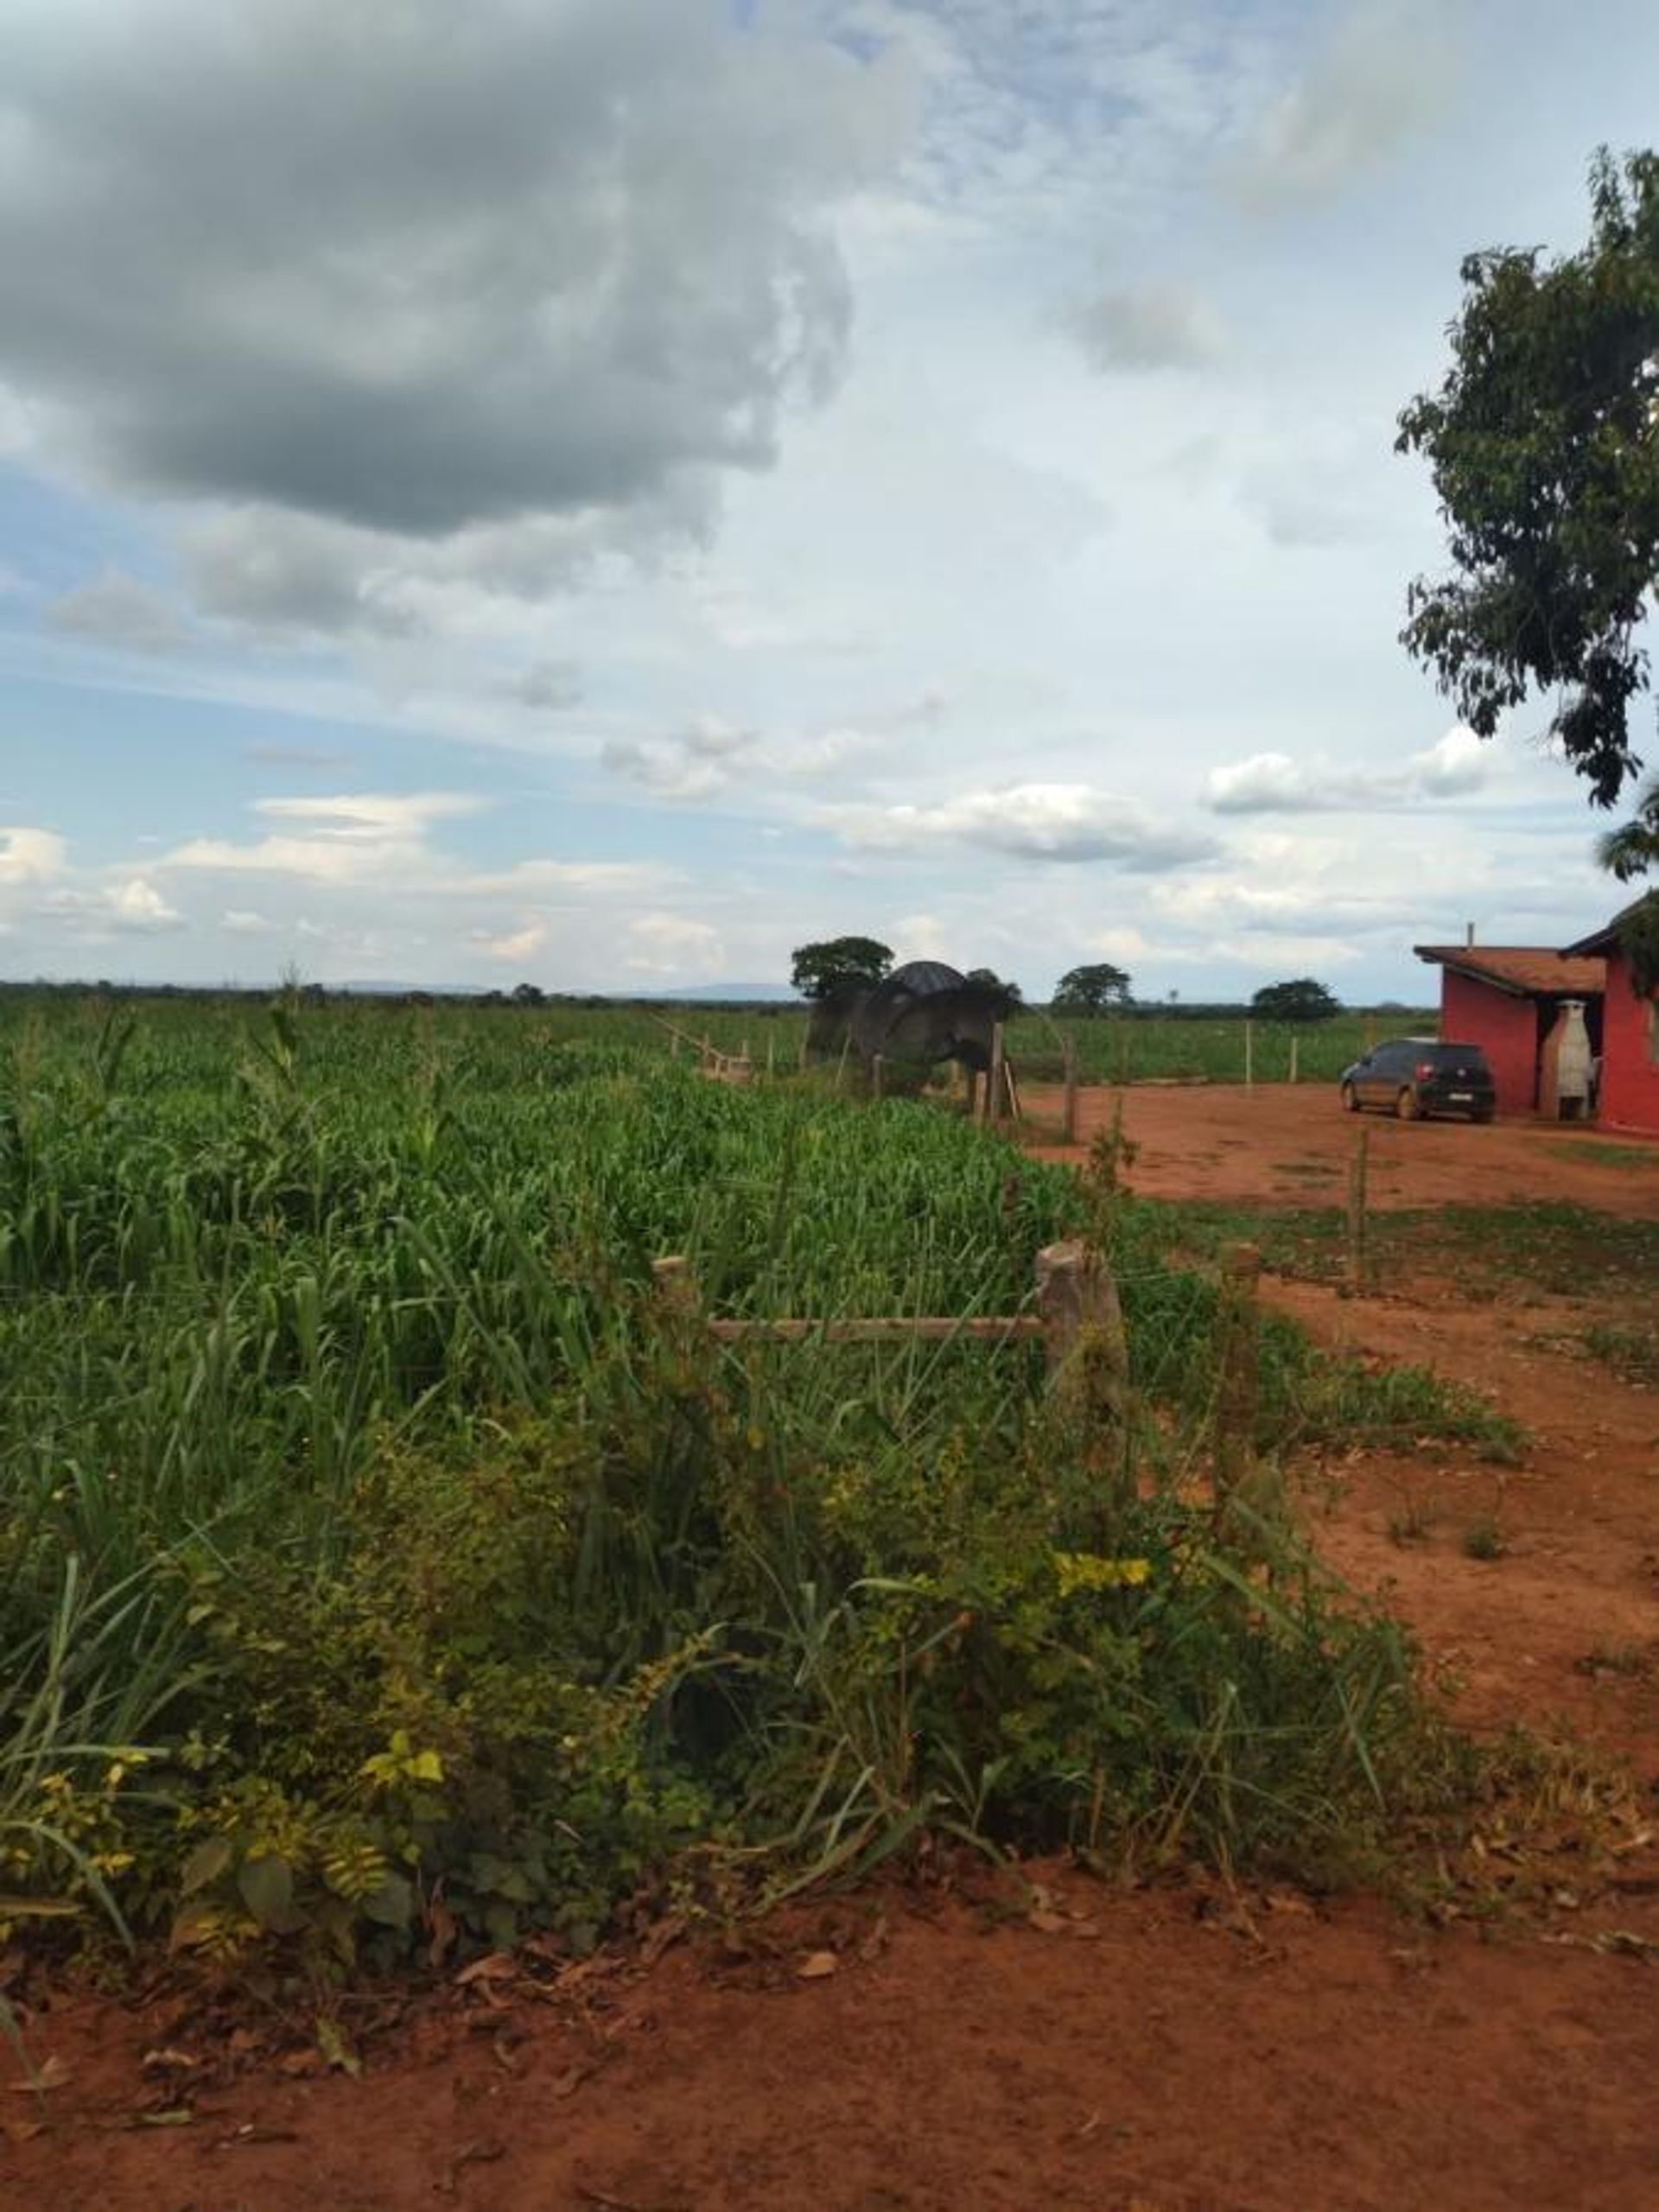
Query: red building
x=1505 y=999
x=1630 y=1040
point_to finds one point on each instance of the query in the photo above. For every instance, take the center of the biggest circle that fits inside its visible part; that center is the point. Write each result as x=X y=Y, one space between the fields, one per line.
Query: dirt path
x=1172 y=2050
x=1167 y=2064
x=1285 y=1145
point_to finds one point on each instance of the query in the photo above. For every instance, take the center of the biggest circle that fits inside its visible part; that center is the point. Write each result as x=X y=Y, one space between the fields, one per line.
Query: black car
x=1413 y=1076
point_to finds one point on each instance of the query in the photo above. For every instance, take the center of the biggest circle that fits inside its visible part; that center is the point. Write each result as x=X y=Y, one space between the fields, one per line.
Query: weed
x=1600 y=1154
x=1412 y=1525
x=1632 y=1351
x=1484 y=1539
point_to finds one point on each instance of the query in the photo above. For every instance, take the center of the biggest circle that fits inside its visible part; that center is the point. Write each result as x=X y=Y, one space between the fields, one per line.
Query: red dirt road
x=1284 y=1145
x=1167 y=2065
x=1170 y=2050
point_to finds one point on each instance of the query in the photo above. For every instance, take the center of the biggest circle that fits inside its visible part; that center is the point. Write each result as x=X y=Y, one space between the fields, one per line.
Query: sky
x=600 y=493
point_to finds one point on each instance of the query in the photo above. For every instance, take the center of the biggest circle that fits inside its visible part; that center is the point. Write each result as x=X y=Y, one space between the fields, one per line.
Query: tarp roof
x=1525 y=971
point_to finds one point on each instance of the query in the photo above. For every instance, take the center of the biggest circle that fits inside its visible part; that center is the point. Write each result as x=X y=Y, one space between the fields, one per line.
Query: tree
x=1092 y=990
x=820 y=968
x=529 y=995
x=990 y=979
x=1633 y=849
x=1302 y=1001
x=1542 y=441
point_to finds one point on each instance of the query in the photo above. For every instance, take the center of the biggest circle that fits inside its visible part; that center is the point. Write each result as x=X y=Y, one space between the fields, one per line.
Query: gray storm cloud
x=413 y=267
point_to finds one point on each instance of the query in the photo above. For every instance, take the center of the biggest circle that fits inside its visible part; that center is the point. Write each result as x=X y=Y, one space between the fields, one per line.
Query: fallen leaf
x=169 y=2116
x=51 y=2073
x=1286 y=1901
x=166 y=2060
x=496 y=1966
x=335 y=2049
x=1046 y=1923
x=818 y=1966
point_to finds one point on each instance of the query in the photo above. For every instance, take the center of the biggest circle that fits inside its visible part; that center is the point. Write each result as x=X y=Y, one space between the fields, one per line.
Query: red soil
x=1174 y=2049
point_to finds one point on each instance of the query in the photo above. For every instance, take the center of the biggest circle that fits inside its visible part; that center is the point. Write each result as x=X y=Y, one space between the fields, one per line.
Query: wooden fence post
x=1294 y=1041
x=1068 y=1061
x=1249 y=1055
x=994 y=1102
x=877 y=1072
x=1359 y=1258
x=1238 y=1357
x=772 y=1053
x=1087 y=1354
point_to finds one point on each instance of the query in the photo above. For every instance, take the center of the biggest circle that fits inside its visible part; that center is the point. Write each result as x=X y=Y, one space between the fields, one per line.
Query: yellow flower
x=1089 y=1571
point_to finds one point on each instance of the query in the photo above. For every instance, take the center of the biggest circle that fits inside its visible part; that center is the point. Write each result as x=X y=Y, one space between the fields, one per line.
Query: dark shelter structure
x=923 y=1012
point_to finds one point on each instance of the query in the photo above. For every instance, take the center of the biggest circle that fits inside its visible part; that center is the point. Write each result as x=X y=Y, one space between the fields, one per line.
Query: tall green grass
x=376 y=1550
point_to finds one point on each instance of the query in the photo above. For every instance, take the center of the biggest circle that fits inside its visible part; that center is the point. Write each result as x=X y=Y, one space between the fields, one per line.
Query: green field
x=379 y=1557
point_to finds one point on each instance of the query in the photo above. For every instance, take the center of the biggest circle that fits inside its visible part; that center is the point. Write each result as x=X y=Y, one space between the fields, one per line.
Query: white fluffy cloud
x=515 y=945
x=1273 y=783
x=30 y=856
x=673 y=945
x=129 y=907
x=1034 y=822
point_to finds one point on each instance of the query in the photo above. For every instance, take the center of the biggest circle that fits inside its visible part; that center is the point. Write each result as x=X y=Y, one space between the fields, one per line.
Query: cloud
x=242 y=921
x=350 y=838
x=1153 y=327
x=134 y=906
x=294 y=756
x=549 y=686
x=369 y=815
x=379 y=840
x=1383 y=75
x=1039 y=822
x=1460 y=762
x=517 y=945
x=669 y=944
x=480 y=263
x=30 y=856
x=711 y=756
x=1273 y=783
x=116 y=610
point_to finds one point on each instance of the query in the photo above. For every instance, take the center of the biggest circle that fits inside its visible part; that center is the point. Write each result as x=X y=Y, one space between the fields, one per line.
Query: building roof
x=1525 y=971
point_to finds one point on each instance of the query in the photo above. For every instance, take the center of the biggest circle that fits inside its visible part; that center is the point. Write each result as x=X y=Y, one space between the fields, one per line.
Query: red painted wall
x=1505 y=1028
x=1629 y=1073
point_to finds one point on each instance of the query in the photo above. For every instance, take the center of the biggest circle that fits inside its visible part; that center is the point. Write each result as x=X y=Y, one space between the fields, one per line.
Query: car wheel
x=1350 y=1099
x=1406 y=1105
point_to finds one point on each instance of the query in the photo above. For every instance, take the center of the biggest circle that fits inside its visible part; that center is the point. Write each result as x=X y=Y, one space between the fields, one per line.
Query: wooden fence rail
x=1074 y=1293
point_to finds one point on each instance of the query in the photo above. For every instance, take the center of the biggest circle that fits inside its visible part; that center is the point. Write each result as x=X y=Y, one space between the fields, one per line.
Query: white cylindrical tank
x=1569 y=1046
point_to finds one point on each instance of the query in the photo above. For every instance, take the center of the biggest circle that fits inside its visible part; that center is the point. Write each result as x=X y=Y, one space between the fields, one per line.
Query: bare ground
x=1172 y=2050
